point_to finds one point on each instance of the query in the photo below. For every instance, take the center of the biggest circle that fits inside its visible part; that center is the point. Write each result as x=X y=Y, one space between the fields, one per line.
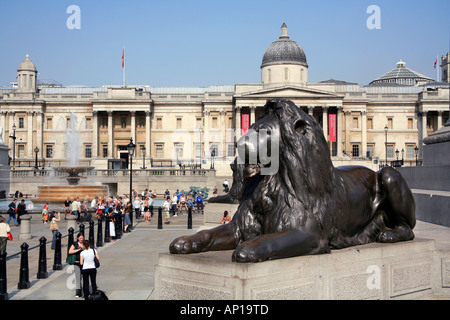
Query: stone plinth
x=71 y=221
x=25 y=227
x=401 y=270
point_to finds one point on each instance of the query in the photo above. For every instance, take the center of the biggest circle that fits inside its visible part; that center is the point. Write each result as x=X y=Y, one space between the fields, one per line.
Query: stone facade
x=183 y=124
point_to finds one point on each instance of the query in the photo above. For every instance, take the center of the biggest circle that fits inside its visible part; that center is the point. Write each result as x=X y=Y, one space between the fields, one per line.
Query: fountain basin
x=58 y=194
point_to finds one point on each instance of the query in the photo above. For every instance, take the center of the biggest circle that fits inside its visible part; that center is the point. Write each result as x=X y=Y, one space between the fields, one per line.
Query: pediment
x=289 y=92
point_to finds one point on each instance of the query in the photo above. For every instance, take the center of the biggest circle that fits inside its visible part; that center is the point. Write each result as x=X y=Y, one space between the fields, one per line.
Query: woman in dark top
x=76 y=249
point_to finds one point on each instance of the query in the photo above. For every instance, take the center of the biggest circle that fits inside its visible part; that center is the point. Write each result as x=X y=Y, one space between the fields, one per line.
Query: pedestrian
x=12 y=212
x=45 y=213
x=75 y=208
x=66 y=206
x=226 y=218
x=199 y=202
x=54 y=218
x=146 y=210
x=174 y=204
x=183 y=202
x=94 y=204
x=84 y=208
x=76 y=248
x=137 y=207
x=215 y=191
x=4 y=229
x=166 y=209
x=126 y=217
x=112 y=226
x=89 y=271
x=21 y=210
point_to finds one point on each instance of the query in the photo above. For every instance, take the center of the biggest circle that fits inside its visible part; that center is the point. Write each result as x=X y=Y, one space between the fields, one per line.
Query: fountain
x=59 y=193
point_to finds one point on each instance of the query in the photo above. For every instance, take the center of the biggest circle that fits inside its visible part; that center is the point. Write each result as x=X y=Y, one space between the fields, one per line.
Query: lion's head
x=287 y=150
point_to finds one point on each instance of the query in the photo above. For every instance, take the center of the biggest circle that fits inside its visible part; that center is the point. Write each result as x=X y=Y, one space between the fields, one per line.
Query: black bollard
x=189 y=222
x=70 y=239
x=160 y=218
x=3 y=289
x=82 y=228
x=42 y=263
x=118 y=225
x=107 y=234
x=57 y=264
x=99 y=233
x=24 y=278
x=91 y=232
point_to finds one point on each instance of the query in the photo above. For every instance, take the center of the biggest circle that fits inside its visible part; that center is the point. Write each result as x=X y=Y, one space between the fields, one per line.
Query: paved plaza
x=128 y=264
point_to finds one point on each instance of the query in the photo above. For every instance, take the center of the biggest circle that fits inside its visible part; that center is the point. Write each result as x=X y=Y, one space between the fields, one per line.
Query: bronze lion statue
x=307 y=206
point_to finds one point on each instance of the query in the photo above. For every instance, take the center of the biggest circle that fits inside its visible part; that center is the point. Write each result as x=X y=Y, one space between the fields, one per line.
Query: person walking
x=166 y=209
x=76 y=248
x=54 y=218
x=89 y=271
x=21 y=210
x=12 y=212
x=4 y=229
x=126 y=217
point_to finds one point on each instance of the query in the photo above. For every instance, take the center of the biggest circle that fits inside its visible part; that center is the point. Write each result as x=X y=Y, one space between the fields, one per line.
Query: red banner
x=245 y=123
x=332 y=127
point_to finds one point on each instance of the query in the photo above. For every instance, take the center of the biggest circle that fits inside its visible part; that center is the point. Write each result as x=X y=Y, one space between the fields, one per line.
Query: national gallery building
x=363 y=124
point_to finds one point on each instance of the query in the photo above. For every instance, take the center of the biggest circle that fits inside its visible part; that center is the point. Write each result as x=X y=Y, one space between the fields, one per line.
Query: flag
x=123 y=58
x=435 y=63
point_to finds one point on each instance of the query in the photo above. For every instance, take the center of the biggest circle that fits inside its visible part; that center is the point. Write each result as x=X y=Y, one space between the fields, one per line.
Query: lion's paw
x=186 y=244
x=245 y=253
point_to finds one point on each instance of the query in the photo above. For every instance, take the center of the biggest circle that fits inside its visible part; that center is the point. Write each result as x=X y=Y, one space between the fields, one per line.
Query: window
x=179 y=150
x=158 y=123
x=214 y=147
x=88 y=123
x=21 y=123
x=105 y=122
x=355 y=150
x=370 y=148
x=230 y=151
x=159 y=151
x=198 y=123
x=198 y=151
x=179 y=123
x=355 y=124
x=49 y=151
x=389 y=123
x=21 y=151
x=390 y=151
x=123 y=122
x=88 y=151
x=214 y=122
x=410 y=151
x=410 y=123
x=230 y=123
x=369 y=123
x=49 y=123
x=141 y=122
x=105 y=151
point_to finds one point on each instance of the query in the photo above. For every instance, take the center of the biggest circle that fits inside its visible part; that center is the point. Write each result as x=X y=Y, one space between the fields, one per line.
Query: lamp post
x=416 y=152
x=131 y=147
x=403 y=154
x=36 y=150
x=213 y=154
x=385 y=143
x=14 y=145
x=143 y=149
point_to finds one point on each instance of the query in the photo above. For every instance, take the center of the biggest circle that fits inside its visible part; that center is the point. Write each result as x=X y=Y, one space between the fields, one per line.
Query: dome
x=402 y=76
x=284 y=51
x=27 y=65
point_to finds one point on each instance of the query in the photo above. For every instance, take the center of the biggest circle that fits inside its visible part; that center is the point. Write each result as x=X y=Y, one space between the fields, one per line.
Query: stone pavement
x=128 y=264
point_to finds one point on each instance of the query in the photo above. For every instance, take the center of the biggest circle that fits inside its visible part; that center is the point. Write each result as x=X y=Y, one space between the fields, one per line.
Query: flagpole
x=123 y=60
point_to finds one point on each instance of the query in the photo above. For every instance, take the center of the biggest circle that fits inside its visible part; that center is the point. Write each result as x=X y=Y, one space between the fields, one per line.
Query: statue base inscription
x=404 y=270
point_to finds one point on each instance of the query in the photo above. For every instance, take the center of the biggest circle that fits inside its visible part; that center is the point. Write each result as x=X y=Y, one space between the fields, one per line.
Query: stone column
x=30 y=135
x=94 y=134
x=424 y=132
x=339 y=132
x=364 y=133
x=148 y=133
x=10 y=125
x=110 y=135
x=71 y=222
x=348 y=147
x=39 y=132
x=25 y=227
x=237 y=110
x=133 y=126
x=325 y=122
x=252 y=114
x=3 y=126
x=439 y=122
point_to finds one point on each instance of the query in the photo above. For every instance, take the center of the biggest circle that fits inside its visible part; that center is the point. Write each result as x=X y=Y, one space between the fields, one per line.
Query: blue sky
x=202 y=43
